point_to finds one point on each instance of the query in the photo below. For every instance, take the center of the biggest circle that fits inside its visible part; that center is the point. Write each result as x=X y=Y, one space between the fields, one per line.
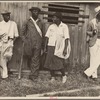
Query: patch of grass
x=13 y=87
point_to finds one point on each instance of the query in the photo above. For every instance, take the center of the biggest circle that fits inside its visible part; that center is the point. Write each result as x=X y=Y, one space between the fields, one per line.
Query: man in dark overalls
x=32 y=37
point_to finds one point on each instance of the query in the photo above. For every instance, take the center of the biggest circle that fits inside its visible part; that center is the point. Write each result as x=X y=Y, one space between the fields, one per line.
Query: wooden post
x=80 y=37
x=85 y=46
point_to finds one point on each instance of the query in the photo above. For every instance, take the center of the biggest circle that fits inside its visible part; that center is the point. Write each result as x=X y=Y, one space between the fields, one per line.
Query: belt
x=10 y=38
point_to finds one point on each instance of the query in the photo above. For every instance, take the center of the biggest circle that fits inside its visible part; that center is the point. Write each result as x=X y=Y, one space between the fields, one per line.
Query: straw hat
x=5 y=12
x=58 y=15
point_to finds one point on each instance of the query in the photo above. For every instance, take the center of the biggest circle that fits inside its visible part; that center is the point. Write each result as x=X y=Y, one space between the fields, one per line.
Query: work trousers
x=6 y=52
x=34 y=62
x=94 y=60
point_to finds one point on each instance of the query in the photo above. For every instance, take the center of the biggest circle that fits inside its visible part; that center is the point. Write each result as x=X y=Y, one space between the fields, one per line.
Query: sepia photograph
x=49 y=49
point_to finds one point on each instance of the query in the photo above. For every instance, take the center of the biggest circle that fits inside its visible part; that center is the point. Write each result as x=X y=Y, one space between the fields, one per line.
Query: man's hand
x=65 y=52
x=23 y=38
x=45 y=50
x=94 y=31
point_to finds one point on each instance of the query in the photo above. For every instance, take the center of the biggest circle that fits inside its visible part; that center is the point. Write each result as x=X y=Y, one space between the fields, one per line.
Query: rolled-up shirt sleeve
x=2 y=29
x=66 y=32
x=16 y=30
x=48 y=32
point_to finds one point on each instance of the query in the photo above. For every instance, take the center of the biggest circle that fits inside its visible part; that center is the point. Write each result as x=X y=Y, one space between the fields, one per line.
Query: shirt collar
x=34 y=20
x=60 y=25
x=6 y=22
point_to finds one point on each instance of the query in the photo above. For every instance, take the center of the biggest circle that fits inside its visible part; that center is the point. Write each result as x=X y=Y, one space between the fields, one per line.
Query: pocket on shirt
x=52 y=34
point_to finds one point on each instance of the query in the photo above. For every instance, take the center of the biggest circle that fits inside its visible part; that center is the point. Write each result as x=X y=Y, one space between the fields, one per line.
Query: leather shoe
x=94 y=79
x=32 y=78
x=87 y=77
x=6 y=79
x=9 y=72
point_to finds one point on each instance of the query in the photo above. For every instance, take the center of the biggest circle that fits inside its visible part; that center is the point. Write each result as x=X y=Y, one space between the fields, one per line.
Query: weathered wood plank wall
x=20 y=13
x=19 y=10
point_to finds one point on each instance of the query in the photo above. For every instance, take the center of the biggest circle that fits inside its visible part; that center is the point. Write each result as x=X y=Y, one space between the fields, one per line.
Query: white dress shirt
x=9 y=28
x=54 y=31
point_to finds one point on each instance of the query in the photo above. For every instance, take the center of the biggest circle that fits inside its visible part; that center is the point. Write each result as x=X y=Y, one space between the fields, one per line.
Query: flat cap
x=58 y=15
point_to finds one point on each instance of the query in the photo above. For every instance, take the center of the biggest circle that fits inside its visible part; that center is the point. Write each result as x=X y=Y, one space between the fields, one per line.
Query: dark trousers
x=52 y=72
x=34 y=62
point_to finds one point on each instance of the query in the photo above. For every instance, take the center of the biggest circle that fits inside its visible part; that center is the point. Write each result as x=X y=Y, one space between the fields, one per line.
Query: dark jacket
x=31 y=37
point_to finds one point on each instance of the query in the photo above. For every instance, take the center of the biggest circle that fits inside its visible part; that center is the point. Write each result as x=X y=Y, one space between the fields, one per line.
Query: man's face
x=55 y=19
x=6 y=17
x=35 y=13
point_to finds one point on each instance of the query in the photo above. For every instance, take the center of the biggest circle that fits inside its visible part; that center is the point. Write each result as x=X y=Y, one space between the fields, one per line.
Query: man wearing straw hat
x=93 y=39
x=32 y=39
x=8 y=33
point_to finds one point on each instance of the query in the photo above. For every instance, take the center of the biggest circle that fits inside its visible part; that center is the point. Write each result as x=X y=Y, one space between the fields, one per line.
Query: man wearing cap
x=93 y=39
x=58 y=46
x=8 y=33
x=32 y=38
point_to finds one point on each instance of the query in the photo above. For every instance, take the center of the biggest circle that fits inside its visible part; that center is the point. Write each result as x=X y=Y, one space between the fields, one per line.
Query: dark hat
x=5 y=12
x=35 y=8
x=58 y=15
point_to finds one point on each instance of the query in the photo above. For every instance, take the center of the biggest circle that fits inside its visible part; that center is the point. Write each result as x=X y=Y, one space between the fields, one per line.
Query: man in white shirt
x=8 y=33
x=56 y=35
x=93 y=39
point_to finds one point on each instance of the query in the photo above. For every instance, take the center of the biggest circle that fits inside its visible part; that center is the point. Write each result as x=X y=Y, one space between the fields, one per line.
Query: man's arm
x=43 y=34
x=90 y=30
x=66 y=35
x=16 y=34
x=65 y=49
x=45 y=45
x=23 y=31
x=47 y=35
